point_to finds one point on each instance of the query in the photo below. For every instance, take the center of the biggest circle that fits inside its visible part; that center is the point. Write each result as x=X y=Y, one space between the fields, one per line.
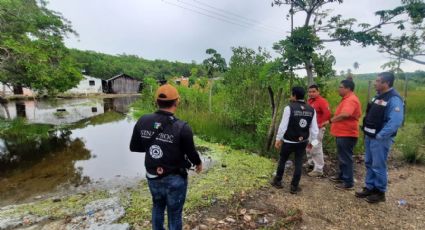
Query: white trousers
x=315 y=154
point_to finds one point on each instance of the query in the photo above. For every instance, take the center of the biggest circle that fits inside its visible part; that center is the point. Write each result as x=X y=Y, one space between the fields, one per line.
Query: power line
x=212 y=16
x=236 y=18
x=236 y=15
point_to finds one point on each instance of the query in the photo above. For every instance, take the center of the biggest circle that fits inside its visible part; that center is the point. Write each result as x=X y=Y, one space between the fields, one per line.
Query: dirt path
x=320 y=206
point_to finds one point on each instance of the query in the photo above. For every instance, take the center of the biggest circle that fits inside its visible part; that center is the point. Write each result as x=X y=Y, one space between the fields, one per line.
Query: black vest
x=375 y=118
x=299 y=122
x=163 y=154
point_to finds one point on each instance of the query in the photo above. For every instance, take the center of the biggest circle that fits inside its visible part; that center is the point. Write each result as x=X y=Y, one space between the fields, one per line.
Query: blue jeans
x=376 y=162
x=169 y=191
x=345 y=147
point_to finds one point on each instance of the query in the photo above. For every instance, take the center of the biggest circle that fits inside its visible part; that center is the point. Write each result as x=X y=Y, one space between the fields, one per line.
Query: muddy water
x=87 y=148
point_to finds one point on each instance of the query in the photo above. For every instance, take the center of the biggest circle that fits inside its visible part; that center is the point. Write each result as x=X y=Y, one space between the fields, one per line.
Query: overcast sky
x=183 y=29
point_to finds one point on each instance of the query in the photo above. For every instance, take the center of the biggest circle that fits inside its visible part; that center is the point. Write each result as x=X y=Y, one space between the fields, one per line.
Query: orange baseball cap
x=167 y=92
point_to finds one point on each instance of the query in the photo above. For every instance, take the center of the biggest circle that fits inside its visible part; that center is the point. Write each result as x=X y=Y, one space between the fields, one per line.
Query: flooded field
x=86 y=147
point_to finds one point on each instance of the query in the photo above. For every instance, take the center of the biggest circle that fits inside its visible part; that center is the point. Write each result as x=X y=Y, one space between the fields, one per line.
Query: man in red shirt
x=315 y=152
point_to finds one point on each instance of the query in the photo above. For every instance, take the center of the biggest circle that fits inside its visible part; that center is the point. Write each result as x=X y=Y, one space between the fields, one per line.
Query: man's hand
x=309 y=147
x=324 y=124
x=278 y=144
x=198 y=168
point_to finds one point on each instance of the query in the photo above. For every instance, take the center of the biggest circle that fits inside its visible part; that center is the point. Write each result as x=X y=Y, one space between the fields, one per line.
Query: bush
x=409 y=144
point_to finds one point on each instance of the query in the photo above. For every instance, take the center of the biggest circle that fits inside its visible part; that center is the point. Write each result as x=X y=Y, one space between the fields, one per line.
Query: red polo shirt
x=349 y=127
x=321 y=106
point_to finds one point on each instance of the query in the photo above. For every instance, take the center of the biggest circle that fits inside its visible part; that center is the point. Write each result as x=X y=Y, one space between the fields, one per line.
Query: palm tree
x=356 y=65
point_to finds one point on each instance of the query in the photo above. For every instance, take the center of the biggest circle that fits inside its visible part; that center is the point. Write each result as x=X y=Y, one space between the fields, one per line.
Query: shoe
x=294 y=189
x=315 y=174
x=277 y=184
x=343 y=186
x=308 y=166
x=364 y=193
x=376 y=197
x=335 y=179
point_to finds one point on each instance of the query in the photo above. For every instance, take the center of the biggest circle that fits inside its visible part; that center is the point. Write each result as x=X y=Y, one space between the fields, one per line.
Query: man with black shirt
x=298 y=121
x=170 y=150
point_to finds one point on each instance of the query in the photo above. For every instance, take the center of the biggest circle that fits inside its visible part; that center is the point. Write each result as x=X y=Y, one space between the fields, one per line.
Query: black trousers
x=285 y=152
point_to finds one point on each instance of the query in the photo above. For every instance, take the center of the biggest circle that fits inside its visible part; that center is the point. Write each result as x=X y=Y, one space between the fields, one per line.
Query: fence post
x=368 y=91
x=405 y=101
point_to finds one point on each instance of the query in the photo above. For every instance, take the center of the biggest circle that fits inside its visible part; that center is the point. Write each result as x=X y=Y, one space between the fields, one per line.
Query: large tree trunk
x=309 y=70
x=271 y=99
x=275 y=108
x=275 y=122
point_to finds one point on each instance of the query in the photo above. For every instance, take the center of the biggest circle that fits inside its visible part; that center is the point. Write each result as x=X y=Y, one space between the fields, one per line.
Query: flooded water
x=92 y=149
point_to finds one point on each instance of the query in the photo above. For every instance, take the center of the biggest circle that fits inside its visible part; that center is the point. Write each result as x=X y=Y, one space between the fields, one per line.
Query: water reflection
x=42 y=171
x=94 y=147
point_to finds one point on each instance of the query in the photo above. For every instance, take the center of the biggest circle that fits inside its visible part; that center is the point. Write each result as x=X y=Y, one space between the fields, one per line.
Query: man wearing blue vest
x=384 y=115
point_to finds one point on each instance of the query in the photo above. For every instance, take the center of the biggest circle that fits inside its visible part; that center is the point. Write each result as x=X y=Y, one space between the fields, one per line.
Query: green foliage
x=245 y=92
x=203 y=82
x=32 y=52
x=215 y=63
x=67 y=206
x=217 y=184
x=407 y=142
x=20 y=130
x=298 y=47
x=105 y=66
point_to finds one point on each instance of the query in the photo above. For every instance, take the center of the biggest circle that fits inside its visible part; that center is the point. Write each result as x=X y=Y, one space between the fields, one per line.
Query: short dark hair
x=387 y=77
x=165 y=104
x=314 y=86
x=348 y=84
x=298 y=92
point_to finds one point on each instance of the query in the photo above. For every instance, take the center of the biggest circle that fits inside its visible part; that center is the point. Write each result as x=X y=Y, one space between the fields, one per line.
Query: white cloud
x=157 y=29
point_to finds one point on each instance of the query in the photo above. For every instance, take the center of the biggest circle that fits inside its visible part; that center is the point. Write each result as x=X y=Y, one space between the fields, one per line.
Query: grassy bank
x=232 y=172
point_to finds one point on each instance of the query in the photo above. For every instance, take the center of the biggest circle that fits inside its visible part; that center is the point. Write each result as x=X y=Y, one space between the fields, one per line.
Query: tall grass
x=410 y=143
x=217 y=126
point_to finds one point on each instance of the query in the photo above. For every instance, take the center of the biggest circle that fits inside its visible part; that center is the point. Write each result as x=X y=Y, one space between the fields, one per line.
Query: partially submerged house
x=44 y=112
x=6 y=90
x=122 y=84
x=88 y=85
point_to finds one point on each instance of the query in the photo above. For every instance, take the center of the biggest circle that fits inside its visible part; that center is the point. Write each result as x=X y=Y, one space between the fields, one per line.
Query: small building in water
x=88 y=85
x=122 y=83
x=6 y=90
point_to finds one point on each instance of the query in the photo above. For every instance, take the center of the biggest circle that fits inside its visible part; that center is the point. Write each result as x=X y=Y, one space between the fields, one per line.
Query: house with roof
x=122 y=84
x=88 y=85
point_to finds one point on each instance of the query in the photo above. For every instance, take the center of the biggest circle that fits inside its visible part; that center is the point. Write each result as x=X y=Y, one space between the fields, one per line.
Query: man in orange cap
x=170 y=151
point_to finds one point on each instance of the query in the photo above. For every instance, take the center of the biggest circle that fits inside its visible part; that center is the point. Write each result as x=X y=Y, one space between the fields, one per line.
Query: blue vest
x=375 y=113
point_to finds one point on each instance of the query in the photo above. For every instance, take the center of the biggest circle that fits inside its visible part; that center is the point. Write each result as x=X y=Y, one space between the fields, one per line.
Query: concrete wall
x=87 y=85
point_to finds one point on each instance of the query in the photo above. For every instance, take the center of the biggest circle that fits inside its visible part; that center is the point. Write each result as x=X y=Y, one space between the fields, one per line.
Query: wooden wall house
x=123 y=84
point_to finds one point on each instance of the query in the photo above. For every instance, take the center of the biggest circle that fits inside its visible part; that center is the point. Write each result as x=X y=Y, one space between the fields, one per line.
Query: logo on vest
x=303 y=123
x=155 y=151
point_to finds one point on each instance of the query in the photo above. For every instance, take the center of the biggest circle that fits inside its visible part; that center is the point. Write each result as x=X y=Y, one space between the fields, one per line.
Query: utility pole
x=291 y=77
